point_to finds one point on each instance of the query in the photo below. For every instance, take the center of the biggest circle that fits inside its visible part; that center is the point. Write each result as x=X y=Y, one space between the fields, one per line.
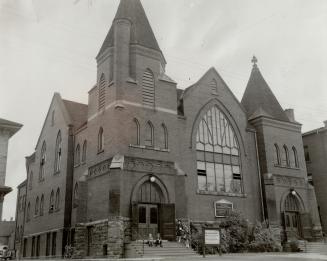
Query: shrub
x=237 y=235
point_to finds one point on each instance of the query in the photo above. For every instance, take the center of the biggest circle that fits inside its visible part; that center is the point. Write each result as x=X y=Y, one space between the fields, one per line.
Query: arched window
x=41 y=205
x=36 y=206
x=100 y=140
x=213 y=86
x=276 y=155
x=149 y=134
x=148 y=93
x=102 y=92
x=58 y=153
x=136 y=140
x=285 y=156
x=218 y=154
x=77 y=155
x=291 y=203
x=28 y=212
x=57 y=202
x=42 y=161
x=84 y=152
x=76 y=191
x=51 y=205
x=30 y=182
x=294 y=161
x=164 y=136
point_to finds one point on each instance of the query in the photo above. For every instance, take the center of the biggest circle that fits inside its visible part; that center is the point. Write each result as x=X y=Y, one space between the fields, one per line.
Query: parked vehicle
x=5 y=253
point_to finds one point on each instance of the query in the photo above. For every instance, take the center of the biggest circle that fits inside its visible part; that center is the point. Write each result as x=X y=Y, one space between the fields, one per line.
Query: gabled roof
x=259 y=97
x=141 y=31
x=77 y=112
x=74 y=113
x=11 y=126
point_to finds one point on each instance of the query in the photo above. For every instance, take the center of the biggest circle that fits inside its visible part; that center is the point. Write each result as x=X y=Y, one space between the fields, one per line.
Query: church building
x=143 y=153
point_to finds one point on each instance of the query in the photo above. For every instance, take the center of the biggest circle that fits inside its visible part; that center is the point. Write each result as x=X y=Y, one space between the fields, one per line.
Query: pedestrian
x=158 y=241
x=179 y=231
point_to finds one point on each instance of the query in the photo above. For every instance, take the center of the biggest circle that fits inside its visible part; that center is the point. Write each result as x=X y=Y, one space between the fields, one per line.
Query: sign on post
x=211 y=237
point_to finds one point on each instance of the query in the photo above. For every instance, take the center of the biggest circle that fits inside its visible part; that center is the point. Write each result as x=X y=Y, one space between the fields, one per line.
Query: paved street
x=230 y=257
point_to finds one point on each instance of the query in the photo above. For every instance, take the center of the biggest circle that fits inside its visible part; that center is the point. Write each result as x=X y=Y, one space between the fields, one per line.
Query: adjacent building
x=7 y=130
x=143 y=153
x=315 y=149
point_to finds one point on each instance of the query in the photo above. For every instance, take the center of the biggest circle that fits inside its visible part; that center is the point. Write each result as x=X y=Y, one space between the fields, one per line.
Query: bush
x=237 y=235
x=262 y=240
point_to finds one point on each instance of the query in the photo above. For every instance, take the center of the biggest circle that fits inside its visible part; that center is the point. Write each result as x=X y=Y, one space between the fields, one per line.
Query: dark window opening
x=153 y=216
x=54 y=242
x=142 y=215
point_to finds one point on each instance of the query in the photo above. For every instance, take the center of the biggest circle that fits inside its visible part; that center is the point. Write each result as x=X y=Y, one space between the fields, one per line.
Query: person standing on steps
x=179 y=231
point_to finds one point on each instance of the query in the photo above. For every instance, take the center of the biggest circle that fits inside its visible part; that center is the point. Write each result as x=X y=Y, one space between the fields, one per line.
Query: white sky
x=49 y=46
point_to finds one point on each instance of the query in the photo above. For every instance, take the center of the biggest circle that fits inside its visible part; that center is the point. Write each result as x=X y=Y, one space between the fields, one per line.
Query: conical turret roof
x=258 y=97
x=141 y=31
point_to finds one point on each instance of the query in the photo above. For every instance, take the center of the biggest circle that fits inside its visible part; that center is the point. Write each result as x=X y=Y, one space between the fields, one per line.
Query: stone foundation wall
x=119 y=233
x=107 y=238
x=96 y=245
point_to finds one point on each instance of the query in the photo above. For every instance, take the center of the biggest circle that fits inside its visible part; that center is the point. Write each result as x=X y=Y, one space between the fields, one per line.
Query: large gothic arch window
x=218 y=154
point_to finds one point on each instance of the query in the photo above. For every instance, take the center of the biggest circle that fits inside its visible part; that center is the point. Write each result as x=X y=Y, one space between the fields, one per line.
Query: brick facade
x=138 y=172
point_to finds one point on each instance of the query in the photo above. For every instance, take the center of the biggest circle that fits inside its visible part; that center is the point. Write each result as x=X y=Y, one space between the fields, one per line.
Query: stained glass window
x=218 y=154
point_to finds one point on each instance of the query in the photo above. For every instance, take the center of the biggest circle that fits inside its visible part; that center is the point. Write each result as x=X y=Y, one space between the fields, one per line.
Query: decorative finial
x=254 y=61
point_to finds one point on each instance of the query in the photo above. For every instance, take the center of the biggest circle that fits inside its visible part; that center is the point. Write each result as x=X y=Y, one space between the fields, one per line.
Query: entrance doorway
x=151 y=211
x=148 y=220
x=292 y=217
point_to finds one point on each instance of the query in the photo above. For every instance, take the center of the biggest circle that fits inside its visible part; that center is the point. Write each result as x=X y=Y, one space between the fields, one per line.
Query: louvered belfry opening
x=148 y=88
x=102 y=92
x=213 y=85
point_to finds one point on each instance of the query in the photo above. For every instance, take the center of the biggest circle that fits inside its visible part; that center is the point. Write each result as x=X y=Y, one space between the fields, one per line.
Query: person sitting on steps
x=150 y=240
x=158 y=241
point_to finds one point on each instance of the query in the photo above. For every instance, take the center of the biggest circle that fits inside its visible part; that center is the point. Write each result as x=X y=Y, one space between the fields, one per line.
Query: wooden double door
x=149 y=218
x=292 y=224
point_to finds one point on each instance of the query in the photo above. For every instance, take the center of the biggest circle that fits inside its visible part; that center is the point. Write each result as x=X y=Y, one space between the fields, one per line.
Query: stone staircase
x=169 y=249
x=316 y=247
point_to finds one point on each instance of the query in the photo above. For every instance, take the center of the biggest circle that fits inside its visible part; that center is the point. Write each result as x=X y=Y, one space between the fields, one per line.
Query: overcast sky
x=49 y=46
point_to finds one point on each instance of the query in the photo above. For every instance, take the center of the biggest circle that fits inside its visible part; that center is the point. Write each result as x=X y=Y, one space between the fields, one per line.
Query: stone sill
x=148 y=148
x=286 y=167
x=221 y=193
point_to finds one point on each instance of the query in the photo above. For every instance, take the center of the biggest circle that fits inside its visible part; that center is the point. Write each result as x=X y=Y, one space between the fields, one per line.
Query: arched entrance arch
x=152 y=212
x=291 y=208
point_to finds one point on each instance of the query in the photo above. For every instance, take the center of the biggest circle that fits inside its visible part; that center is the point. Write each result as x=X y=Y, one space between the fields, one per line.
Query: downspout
x=259 y=177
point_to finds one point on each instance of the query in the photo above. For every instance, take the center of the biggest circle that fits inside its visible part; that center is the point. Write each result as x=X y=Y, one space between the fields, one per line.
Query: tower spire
x=141 y=31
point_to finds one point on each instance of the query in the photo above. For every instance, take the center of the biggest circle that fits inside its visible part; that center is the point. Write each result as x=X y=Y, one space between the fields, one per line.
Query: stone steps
x=169 y=249
x=316 y=247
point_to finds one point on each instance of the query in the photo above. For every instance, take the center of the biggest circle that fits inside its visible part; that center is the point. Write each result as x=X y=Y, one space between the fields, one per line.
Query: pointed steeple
x=141 y=31
x=258 y=96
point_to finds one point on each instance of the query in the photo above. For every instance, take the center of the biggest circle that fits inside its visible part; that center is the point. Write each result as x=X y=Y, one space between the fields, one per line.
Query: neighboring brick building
x=144 y=153
x=315 y=149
